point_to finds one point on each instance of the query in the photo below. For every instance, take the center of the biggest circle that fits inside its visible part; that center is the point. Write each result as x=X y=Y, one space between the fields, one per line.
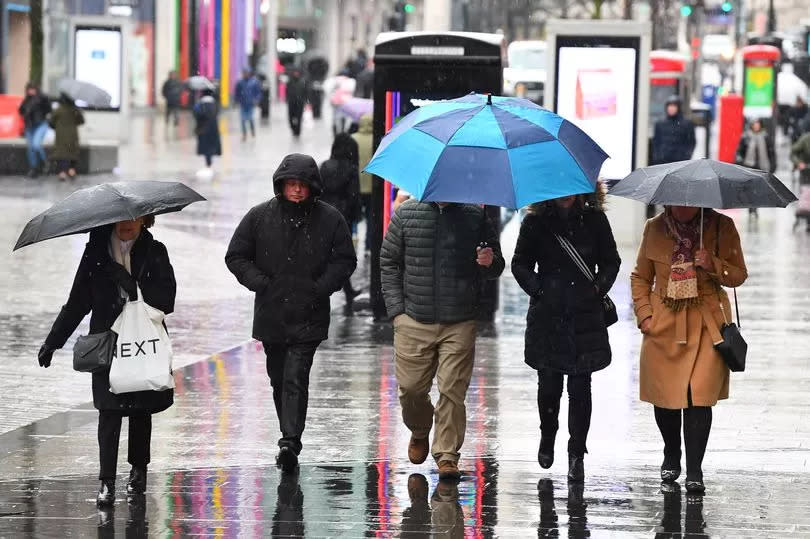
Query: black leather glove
x=45 y=355
x=122 y=278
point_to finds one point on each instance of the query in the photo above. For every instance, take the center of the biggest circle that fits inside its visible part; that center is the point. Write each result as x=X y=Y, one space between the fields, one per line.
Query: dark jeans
x=288 y=366
x=294 y=117
x=109 y=432
x=209 y=159
x=549 y=393
x=365 y=200
x=171 y=112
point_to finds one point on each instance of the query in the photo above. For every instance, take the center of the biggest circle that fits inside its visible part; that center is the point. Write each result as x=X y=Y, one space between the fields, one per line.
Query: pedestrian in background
x=65 y=121
x=364 y=137
x=800 y=155
x=433 y=260
x=341 y=189
x=34 y=109
x=296 y=100
x=206 y=115
x=756 y=150
x=680 y=308
x=172 y=92
x=798 y=112
x=674 y=136
x=566 y=333
x=293 y=252
x=117 y=261
x=247 y=94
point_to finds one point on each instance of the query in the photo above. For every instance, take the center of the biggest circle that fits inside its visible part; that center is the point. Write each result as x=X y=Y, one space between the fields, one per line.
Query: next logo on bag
x=135 y=348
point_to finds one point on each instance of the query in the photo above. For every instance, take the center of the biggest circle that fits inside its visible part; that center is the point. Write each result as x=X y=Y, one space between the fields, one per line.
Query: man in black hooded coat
x=293 y=251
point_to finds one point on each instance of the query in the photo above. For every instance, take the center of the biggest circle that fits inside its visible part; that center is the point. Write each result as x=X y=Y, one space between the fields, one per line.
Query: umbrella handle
x=701 y=229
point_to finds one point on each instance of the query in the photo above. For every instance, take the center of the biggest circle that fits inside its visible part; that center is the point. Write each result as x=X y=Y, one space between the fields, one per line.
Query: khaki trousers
x=445 y=351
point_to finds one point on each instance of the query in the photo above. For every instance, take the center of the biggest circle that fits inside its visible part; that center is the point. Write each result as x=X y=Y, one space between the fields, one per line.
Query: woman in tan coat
x=680 y=307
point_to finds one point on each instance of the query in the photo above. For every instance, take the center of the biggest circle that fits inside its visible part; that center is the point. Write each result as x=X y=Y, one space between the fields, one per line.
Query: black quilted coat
x=565 y=328
x=428 y=261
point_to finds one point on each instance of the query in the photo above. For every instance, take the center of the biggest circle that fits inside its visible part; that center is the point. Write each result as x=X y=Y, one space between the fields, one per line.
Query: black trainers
x=106 y=493
x=287 y=460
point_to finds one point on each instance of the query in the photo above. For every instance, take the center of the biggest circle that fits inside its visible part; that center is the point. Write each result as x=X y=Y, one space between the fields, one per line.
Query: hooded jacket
x=293 y=256
x=565 y=327
x=364 y=137
x=341 y=183
x=673 y=138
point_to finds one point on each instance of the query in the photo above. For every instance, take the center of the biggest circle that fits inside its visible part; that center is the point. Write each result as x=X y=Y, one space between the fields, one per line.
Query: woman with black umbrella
x=118 y=260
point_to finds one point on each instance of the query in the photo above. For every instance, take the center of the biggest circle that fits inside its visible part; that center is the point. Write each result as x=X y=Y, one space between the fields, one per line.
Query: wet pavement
x=213 y=472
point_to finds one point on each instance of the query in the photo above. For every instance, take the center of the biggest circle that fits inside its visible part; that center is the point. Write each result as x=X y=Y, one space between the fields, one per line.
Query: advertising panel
x=596 y=90
x=98 y=58
x=759 y=91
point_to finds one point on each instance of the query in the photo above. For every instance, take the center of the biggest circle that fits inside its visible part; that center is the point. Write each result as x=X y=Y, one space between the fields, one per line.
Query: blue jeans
x=246 y=114
x=33 y=138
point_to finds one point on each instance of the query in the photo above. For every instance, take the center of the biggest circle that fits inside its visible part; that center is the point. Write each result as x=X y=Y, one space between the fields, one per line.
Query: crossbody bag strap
x=576 y=257
x=717 y=254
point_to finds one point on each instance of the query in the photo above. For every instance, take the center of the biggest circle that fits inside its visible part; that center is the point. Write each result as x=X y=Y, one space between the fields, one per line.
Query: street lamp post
x=771 y=17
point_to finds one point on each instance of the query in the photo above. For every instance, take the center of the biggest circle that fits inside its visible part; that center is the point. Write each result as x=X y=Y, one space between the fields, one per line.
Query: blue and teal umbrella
x=481 y=149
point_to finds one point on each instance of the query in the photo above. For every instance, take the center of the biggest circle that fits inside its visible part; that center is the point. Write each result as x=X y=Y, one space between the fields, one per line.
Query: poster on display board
x=97 y=59
x=596 y=89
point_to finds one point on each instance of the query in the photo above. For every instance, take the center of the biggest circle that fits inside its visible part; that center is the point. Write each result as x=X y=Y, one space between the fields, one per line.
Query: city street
x=213 y=467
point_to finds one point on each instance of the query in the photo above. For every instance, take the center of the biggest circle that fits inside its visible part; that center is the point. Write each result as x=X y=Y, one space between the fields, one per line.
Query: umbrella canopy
x=704 y=183
x=104 y=204
x=88 y=94
x=356 y=107
x=488 y=150
x=198 y=82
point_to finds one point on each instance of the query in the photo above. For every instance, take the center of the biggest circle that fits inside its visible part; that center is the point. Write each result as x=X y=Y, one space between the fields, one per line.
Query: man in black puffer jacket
x=433 y=259
x=674 y=136
x=293 y=251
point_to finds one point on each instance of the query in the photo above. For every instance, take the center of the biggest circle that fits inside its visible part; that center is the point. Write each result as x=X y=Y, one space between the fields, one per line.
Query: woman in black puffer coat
x=116 y=261
x=565 y=327
x=341 y=189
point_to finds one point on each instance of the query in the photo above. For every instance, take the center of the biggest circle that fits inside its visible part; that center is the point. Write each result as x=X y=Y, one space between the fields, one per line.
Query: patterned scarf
x=682 y=290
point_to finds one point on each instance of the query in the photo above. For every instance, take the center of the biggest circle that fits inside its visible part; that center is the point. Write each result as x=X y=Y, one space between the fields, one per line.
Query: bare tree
x=37 y=39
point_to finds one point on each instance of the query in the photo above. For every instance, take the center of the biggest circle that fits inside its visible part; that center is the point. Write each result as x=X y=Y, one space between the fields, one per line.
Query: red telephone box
x=760 y=68
x=667 y=78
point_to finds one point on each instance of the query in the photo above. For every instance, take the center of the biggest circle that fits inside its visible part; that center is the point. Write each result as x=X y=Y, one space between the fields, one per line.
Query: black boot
x=576 y=468
x=545 y=453
x=287 y=460
x=694 y=483
x=106 y=493
x=671 y=467
x=137 y=481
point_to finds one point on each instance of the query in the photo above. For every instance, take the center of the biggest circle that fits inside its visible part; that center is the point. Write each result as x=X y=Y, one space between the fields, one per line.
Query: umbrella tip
x=489 y=99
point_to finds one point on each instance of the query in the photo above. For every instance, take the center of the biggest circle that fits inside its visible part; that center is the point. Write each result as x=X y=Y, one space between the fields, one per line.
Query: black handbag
x=608 y=307
x=733 y=347
x=94 y=352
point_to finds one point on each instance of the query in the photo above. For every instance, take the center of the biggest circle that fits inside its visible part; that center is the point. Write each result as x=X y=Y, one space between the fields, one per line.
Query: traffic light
x=409 y=8
x=398 y=21
x=686 y=10
x=726 y=6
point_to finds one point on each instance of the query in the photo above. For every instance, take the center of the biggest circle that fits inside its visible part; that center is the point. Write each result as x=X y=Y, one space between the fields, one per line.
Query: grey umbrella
x=704 y=183
x=198 y=82
x=85 y=92
x=104 y=204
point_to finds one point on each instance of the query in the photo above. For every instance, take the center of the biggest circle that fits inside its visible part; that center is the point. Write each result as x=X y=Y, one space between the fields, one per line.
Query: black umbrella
x=704 y=183
x=104 y=204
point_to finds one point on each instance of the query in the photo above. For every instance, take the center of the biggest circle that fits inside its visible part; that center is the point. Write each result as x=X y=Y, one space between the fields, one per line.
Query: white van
x=526 y=75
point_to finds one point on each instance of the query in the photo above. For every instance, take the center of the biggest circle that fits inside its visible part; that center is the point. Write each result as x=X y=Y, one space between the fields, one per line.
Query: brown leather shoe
x=418 y=450
x=448 y=470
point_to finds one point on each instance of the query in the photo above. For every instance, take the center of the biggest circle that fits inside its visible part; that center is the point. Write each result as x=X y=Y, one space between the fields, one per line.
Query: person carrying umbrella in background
x=296 y=100
x=800 y=155
x=65 y=121
x=566 y=330
x=120 y=258
x=756 y=150
x=206 y=114
x=341 y=190
x=34 y=109
x=293 y=252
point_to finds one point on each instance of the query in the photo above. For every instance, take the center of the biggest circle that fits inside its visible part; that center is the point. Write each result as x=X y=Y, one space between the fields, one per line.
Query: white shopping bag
x=143 y=352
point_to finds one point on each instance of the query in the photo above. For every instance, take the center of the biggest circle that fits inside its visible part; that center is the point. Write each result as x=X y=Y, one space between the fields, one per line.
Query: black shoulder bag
x=94 y=352
x=733 y=347
x=608 y=307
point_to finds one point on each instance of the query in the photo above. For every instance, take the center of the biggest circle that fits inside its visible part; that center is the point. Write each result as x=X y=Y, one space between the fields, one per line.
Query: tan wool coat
x=678 y=352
